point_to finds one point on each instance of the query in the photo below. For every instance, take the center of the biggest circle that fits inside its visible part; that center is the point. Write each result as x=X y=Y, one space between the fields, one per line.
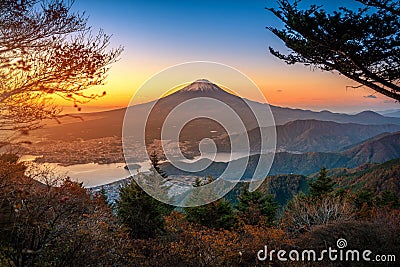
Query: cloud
x=370 y=96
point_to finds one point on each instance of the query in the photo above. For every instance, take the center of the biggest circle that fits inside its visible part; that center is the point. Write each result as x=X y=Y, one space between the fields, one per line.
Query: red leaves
x=64 y=199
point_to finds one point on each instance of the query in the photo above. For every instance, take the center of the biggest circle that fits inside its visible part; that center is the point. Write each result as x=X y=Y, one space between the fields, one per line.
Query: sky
x=159 y=34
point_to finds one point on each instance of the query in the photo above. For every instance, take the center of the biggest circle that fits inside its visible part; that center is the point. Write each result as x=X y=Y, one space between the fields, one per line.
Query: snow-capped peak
x=201 y=85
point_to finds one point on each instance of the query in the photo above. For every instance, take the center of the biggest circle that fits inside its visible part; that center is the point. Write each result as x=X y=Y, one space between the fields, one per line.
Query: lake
x=90 y=174
x=93 y=174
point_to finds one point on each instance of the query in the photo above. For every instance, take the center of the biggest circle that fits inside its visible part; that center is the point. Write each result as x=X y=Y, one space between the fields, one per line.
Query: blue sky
x=159 y=34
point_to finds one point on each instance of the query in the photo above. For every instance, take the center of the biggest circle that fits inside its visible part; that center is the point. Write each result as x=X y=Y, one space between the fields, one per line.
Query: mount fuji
x=203 y=86
x=109 y=123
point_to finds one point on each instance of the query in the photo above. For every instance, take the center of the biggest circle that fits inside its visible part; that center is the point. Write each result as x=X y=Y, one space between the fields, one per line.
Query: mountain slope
x=375 y=177
x=109 y=123
x=395 y=114
x=284 y=163
x=298 y=136
x=379 y=149
x=326 y=136
x=314 y=136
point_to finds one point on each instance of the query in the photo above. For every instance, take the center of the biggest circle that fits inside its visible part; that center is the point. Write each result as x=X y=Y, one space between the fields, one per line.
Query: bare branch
x=47 y=51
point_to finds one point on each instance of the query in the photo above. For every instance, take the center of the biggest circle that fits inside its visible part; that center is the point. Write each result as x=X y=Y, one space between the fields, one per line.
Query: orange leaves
x=187 y=244
x=52 y=221
x=17 y=206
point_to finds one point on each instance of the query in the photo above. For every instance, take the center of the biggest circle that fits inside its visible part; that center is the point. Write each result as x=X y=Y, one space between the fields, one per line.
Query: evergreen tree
x=200 y=193
x=199 y=182
x=140 y=212
x=363 y=198
x=155 y=163
x=388 y=199
x=322 y=185
x=156 y=183
x=218 y=214
x=103 y=195
x=255 y=206
x=362 y=44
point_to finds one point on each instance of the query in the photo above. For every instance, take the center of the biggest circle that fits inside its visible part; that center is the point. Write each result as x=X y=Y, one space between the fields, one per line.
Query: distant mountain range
x=376 y=150
x=391 y=113
x=306 y=140
x=314 y=136
x=109 y=123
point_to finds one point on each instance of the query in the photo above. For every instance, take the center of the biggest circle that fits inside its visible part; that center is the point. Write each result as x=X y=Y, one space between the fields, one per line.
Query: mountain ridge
x=109 y=123
x=311 y=162
x=298 y=130
x=315 y=135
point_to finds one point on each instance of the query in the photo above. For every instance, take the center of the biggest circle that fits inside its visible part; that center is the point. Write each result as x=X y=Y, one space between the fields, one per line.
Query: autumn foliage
x=55 y=225
x=59 y=223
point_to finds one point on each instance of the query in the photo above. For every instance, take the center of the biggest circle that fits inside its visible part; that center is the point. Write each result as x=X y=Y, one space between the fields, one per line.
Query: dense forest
x=57 y=222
